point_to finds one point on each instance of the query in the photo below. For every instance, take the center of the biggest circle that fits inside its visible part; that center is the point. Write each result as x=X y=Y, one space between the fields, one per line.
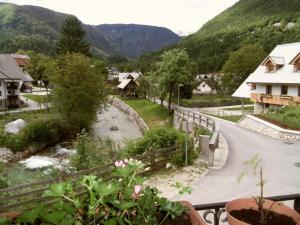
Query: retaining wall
x=130 y=112
x=268 y=129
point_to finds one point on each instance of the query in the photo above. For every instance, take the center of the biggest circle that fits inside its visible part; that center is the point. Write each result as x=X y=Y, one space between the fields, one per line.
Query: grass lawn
x=247 y=108
x=231 y=118
x=202 y=101
x=288 y=117
x=37 y=98
x=152 y=113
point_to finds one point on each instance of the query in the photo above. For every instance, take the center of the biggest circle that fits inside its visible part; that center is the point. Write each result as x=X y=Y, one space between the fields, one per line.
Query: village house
x=276 y=82
x=22 y=61
x=11 y=79
x=204 y=87
x=128 y=84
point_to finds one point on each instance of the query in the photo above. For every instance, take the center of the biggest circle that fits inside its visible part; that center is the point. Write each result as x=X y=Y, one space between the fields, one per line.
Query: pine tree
x=72 y=38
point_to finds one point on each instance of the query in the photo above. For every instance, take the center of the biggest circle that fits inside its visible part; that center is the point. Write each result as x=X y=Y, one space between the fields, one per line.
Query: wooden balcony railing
x=275 y=99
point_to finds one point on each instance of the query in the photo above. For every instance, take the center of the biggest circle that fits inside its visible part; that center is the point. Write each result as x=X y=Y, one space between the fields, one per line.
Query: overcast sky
x=179 y=15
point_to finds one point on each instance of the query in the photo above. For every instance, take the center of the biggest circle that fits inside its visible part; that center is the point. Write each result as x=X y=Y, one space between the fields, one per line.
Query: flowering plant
x=122 y=200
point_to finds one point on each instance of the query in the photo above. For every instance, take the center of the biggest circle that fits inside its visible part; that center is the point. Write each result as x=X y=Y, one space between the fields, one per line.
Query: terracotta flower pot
x=190 y=217
x=249 y=203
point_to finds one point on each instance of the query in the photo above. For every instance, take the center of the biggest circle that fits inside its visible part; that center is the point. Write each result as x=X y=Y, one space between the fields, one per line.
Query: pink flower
x=137 y=189
x=119 y=163
x=136 y=193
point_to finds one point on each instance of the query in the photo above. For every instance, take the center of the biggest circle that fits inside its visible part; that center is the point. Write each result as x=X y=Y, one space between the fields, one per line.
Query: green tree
x=240 y=65
x=143 y=86
x=40 y=68
x=173 y=69
x=72 y=38
x=78 y=92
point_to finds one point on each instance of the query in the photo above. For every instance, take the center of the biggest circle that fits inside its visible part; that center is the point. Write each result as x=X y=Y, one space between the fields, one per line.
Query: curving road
x=279 y=162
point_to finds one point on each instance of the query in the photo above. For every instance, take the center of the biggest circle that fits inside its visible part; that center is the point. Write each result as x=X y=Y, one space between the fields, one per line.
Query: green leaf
x=240 y=177
x=127 y=205
x=112 y=221
x=56 y=190
x=106 y=189
x=3 y=221
x=54 y=217
x=30 y=216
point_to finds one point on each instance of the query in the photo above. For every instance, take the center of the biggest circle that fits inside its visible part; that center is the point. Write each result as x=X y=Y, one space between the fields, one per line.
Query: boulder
x=14 y=127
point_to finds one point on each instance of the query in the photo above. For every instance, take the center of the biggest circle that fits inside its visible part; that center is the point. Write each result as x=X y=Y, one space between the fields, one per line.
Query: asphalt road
x=281 y=175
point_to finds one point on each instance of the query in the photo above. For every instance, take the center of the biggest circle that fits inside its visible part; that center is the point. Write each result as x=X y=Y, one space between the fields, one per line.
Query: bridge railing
x=202 y=120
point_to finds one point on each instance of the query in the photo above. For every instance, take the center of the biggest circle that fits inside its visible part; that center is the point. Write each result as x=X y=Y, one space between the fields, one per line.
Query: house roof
x=124 y=83
x=21 y=60
x=285 y=74
x=9 y=68
x=27 y=77
x=275 y=60
x=123 y=76
x=244 y=91
x=295 y=59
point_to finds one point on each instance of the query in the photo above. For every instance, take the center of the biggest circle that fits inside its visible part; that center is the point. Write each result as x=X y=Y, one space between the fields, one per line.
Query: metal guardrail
x=26 y=196
x=202 y=120
x=217 y=209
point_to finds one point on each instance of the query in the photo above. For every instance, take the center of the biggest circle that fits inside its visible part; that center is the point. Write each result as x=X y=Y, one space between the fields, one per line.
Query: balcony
x=275 y=99
x=12 y=86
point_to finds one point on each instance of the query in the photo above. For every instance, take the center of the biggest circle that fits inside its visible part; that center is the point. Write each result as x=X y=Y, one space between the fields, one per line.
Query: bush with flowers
x=121 y=200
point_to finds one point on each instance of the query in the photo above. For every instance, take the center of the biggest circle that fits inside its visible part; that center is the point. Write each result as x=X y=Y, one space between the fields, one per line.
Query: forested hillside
x=35 y=28
x=134 y=40
x=263 y=22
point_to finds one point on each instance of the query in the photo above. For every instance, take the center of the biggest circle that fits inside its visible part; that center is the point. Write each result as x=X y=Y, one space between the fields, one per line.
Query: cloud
x=179 y=15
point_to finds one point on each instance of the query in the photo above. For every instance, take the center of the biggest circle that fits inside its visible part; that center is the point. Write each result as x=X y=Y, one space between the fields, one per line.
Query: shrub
x=91 y=153
x=154 y=138
x=38 y=134
x=44 y=132
x=179 y=159
x=161 y=138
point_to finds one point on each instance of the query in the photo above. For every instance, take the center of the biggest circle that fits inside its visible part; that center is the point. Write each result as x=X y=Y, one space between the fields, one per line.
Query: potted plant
x=121 y=200
x=259 y=211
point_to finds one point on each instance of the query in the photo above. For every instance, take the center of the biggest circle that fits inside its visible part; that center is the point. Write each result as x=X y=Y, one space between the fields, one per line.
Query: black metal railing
x=217 y=209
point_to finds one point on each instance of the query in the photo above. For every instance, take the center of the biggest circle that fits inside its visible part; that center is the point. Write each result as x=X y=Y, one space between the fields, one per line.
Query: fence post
x=152 y=159
x=207 y=122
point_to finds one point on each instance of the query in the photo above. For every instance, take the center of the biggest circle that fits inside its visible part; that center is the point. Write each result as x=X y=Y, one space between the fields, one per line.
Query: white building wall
x=276 y=89
x=2 y=89
x=261 y=88
x=293 y=90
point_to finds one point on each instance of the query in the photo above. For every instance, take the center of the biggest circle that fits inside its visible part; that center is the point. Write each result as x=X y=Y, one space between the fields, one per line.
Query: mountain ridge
x=36 y=28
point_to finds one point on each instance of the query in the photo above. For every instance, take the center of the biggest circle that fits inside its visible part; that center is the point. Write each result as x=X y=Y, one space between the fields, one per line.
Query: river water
x=49 y=162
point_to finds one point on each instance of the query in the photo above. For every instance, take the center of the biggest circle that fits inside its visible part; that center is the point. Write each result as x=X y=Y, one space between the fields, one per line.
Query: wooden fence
x=200 y=119
x=27 y=196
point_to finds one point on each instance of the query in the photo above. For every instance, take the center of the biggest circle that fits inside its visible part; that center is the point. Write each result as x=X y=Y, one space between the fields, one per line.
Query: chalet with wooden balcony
x=11 y=77
x=276 y=81
x=128 y=84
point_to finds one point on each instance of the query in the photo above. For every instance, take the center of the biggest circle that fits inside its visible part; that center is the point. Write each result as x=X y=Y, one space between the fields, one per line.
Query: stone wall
x=130 y=112
x=263 y=127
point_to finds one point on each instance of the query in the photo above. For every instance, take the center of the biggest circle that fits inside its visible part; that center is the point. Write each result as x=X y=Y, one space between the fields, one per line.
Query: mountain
x=263 y=22
x=36 y=28
x=134 y=40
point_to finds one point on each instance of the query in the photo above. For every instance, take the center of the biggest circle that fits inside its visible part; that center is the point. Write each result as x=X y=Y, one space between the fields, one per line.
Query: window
x=269 y=89
x=284 y=90
x=0 y=93
x=297 y=68
x=299 y=91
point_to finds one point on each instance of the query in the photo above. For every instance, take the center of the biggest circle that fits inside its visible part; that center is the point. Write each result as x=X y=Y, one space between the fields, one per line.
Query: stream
x=47 y=163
